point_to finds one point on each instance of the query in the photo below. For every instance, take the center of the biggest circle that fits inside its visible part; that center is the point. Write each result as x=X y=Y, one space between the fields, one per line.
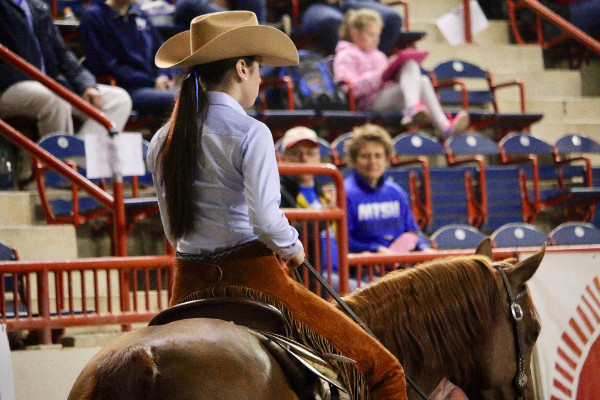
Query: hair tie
x=196 y=82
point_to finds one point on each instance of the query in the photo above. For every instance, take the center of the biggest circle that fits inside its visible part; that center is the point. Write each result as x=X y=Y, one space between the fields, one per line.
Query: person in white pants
x=54 y=114
x=29 y=31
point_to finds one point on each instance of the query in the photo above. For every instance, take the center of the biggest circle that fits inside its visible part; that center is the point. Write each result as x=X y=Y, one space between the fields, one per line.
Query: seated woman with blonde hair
x=380 y=217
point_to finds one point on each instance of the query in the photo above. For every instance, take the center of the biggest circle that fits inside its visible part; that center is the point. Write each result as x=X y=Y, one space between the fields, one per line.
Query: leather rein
x=516 y=311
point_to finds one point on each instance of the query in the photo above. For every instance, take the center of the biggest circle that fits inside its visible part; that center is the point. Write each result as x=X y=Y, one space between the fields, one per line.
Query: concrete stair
x=33 y=242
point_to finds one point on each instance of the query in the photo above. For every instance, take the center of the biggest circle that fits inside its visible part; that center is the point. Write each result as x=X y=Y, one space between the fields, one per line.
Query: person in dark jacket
x=118 y=39
x=27 y=28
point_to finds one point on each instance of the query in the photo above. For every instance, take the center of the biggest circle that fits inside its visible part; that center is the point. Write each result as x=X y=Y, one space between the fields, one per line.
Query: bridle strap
x=517 y=316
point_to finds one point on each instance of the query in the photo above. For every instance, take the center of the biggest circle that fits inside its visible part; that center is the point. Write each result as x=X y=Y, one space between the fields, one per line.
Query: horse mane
x=432 y=315
x=127 y=374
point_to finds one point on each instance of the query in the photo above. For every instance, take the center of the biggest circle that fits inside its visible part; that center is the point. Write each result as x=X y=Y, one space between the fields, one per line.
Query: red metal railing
x=56 y=294
x=543 y=13
x=330 y=217
x=115 y=202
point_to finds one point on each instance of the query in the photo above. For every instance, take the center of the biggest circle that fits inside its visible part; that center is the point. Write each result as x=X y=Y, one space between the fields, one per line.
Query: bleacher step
x=557 y=108
x=15 y=208
x=41 y=242
x=95 y=339
x=498 y=58
x=550 y=131
x=497 y=33
x=541 y=85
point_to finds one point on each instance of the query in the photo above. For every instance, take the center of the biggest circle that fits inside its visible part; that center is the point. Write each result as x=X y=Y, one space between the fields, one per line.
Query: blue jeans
x=186 y=10
x=325 y=20
x=152 y=101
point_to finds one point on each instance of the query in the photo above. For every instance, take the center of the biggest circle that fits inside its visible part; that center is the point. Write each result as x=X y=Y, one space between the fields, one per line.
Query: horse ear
x=485 y=248
x=524 y=270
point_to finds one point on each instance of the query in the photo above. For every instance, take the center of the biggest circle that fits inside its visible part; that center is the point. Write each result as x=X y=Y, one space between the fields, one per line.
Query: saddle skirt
x=310 y=374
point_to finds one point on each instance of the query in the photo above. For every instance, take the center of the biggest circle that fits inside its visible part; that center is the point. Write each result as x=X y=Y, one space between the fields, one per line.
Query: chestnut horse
x=448 y=318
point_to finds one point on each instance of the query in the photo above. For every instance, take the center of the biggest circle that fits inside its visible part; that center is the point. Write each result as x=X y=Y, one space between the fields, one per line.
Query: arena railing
x=87 y=291
x=326 y=227
x=114 y=202
x=543 y=13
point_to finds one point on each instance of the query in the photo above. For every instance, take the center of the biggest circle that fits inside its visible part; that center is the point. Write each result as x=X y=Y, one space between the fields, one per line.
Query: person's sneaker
x=457 y=125
x=415 y=115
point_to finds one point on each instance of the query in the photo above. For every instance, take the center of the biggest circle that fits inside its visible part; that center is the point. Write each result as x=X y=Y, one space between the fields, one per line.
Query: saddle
x=309 y=374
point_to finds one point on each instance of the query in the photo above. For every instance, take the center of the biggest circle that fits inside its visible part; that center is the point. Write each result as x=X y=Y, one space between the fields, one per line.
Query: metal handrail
x=114 y=202
x=544 y=12
x=338 y=213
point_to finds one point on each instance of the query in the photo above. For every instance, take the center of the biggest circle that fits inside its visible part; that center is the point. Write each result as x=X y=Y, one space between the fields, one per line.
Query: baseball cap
x=298 y=134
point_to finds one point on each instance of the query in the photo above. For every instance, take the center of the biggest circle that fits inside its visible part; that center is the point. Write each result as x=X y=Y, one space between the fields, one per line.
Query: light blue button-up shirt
x=236 y=185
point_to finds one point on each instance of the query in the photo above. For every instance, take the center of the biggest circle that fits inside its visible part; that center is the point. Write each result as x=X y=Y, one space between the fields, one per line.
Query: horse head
x=505 y=371
x=453 y=318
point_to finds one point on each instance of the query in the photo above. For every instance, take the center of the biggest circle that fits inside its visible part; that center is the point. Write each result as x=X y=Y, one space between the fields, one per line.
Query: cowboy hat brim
x=273 y=46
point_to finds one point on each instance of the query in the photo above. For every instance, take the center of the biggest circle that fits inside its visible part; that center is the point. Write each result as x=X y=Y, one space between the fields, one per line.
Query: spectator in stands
x=324 y=18
x=216 y=179
x=27 y=29
x=359 y=62
x=119 y=40
x=379 y=211
x=301 y=145
x=186 y=10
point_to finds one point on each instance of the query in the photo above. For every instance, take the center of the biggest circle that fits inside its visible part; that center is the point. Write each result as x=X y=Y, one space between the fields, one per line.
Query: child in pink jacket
x=359 y=62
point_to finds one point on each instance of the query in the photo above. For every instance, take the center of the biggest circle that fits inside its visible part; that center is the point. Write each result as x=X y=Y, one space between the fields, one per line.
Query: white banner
x=566 y=293
x=452 y=24
x=7 y=384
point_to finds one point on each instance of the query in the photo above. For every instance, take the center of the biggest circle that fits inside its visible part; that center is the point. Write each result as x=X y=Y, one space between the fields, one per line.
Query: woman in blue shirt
x=379 y=211
x=217 y=184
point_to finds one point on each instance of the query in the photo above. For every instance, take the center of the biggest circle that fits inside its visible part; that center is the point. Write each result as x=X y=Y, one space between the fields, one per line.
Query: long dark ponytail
x=181 y=149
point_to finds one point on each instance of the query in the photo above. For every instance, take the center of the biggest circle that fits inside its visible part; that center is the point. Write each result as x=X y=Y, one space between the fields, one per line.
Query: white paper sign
x=121 y=154
x=7 y=383
x=452 y=24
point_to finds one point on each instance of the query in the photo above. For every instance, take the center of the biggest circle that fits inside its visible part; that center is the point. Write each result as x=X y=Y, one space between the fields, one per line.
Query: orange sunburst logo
x=579 y=351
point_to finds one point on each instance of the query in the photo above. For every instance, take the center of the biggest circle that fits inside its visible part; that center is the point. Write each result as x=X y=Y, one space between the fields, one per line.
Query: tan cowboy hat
x=227 y=34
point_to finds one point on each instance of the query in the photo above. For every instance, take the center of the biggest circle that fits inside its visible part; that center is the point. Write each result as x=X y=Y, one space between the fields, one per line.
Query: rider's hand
x=296 y=261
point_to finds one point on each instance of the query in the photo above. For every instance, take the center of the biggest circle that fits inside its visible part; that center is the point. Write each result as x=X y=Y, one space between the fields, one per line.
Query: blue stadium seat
x=469 y=78
x=441 y=195
x=550 y=180
x=457 y=236
x=576 y=143
x=575 y=233
x=518 y=234
x=499 y=196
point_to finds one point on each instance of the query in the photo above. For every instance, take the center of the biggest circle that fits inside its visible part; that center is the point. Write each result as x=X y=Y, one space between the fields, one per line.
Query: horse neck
x=429 y=318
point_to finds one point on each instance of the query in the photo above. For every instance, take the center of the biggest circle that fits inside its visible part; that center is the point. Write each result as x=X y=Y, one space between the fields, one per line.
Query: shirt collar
x=364 y=185
x=222 y=98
